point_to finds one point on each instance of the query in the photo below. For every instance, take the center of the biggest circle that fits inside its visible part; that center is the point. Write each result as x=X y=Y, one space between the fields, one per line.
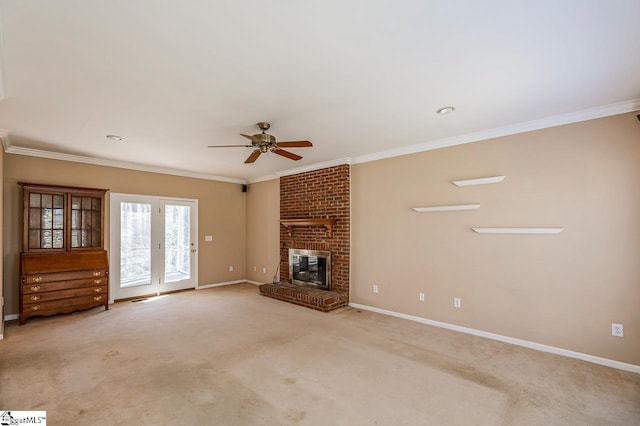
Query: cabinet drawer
x=64 y=294
x=55 y=305
x=64 y=276
x=63 y=285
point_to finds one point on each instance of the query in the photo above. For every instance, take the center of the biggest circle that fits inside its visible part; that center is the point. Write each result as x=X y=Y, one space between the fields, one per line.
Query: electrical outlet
x=264 y=270
x=456 y=302
x=375 y=288
x=617 y=330
x=230 y=268
x=422 y=297
x=255 y=268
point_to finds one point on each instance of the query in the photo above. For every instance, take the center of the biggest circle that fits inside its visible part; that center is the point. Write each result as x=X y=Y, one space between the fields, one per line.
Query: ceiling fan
x=264 y=142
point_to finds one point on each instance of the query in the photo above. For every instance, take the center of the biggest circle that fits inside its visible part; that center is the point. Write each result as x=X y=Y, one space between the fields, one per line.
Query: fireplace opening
x=310 y=268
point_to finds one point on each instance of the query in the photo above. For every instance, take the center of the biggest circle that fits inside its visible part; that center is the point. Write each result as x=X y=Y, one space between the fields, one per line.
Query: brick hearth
x=315 y=194
x=309 y=297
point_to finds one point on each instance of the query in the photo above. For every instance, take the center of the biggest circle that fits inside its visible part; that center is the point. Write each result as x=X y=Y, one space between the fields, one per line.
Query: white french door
x=153 y=245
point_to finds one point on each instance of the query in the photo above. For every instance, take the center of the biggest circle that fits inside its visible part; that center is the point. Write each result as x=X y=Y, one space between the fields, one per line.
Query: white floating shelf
x=479 y=181
x=447 y=208
x=518 y=230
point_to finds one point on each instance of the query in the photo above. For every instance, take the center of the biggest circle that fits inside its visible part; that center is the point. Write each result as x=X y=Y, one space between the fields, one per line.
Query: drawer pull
x=35 y=297
x=97 y=290
x=97 y=281
x=35 y=307
x=96 y=274
x=37 y=279
x=35 y=287
x=96 y=298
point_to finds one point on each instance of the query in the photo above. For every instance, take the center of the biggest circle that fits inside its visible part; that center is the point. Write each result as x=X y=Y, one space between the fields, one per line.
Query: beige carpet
x=227 y=356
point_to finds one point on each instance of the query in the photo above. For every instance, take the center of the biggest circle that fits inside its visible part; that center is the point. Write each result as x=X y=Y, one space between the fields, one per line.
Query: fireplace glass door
x=310 y=267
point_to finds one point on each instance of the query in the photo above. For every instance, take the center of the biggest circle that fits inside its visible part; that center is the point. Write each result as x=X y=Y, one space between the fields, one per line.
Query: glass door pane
x=178 y=234
x=177 y=243
x=135 y=244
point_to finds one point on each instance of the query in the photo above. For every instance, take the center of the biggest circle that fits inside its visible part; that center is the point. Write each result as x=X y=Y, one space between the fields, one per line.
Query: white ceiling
x=355 y=77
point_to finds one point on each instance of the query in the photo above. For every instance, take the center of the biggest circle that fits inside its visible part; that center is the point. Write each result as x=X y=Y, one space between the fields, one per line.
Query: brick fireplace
x=318 y=194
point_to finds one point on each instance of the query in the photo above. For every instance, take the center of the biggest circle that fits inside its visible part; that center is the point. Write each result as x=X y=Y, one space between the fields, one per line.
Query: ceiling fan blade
x=253 y=157
x=229 y=146
x=295 y=144
x=287 y=154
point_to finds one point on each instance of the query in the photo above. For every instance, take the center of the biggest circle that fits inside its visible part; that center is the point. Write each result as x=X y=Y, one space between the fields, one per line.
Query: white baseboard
x=11 y=317
x=519 y=342
x=254 y=282
x=201 y=287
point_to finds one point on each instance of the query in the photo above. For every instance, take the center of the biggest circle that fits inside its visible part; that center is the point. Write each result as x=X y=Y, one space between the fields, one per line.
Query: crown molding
x=316 y=166
x=9 y=149
x=512 y=129
x=263 y=178
x=4 y=138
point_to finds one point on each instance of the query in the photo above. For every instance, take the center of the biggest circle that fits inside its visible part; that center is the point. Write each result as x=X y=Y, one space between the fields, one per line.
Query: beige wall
x=263 y=230
x=561 y=290
x=221 y=205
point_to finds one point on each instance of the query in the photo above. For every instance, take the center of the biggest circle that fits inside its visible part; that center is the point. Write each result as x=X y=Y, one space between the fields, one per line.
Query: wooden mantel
x=327 y=223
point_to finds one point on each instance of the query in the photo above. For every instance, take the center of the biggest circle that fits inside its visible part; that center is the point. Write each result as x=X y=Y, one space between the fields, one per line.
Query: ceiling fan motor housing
x=265 y=138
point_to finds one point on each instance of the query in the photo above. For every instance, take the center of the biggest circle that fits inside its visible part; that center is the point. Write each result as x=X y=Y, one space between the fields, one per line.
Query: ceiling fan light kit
x=264 y=143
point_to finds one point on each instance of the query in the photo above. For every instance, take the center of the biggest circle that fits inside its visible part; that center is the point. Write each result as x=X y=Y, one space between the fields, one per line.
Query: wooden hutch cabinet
x=63 y=266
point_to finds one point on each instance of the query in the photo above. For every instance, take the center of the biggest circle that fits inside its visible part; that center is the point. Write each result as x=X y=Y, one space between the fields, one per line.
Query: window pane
x=86 y=219
x=177 y=243
x=34 y=218
x=57 y=219
x=86 y=203
x=75 y=219
x=47 y=201
x=76 y=202
x=95 y=238
x=46 y=240
x=58 y=201
x=95 y=220
x=75 y=238
x=95 y=204
x=34 y=200
x=34 y=239
x=47 y=218
x=58 y=239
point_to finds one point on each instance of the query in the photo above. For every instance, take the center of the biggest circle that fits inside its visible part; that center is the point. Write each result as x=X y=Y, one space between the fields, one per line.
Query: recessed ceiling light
x=446 y=110
x=114 y=137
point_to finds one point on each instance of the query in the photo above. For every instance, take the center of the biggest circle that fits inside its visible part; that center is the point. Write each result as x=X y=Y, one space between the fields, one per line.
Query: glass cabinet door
x=45 y=221
x=86 y=221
